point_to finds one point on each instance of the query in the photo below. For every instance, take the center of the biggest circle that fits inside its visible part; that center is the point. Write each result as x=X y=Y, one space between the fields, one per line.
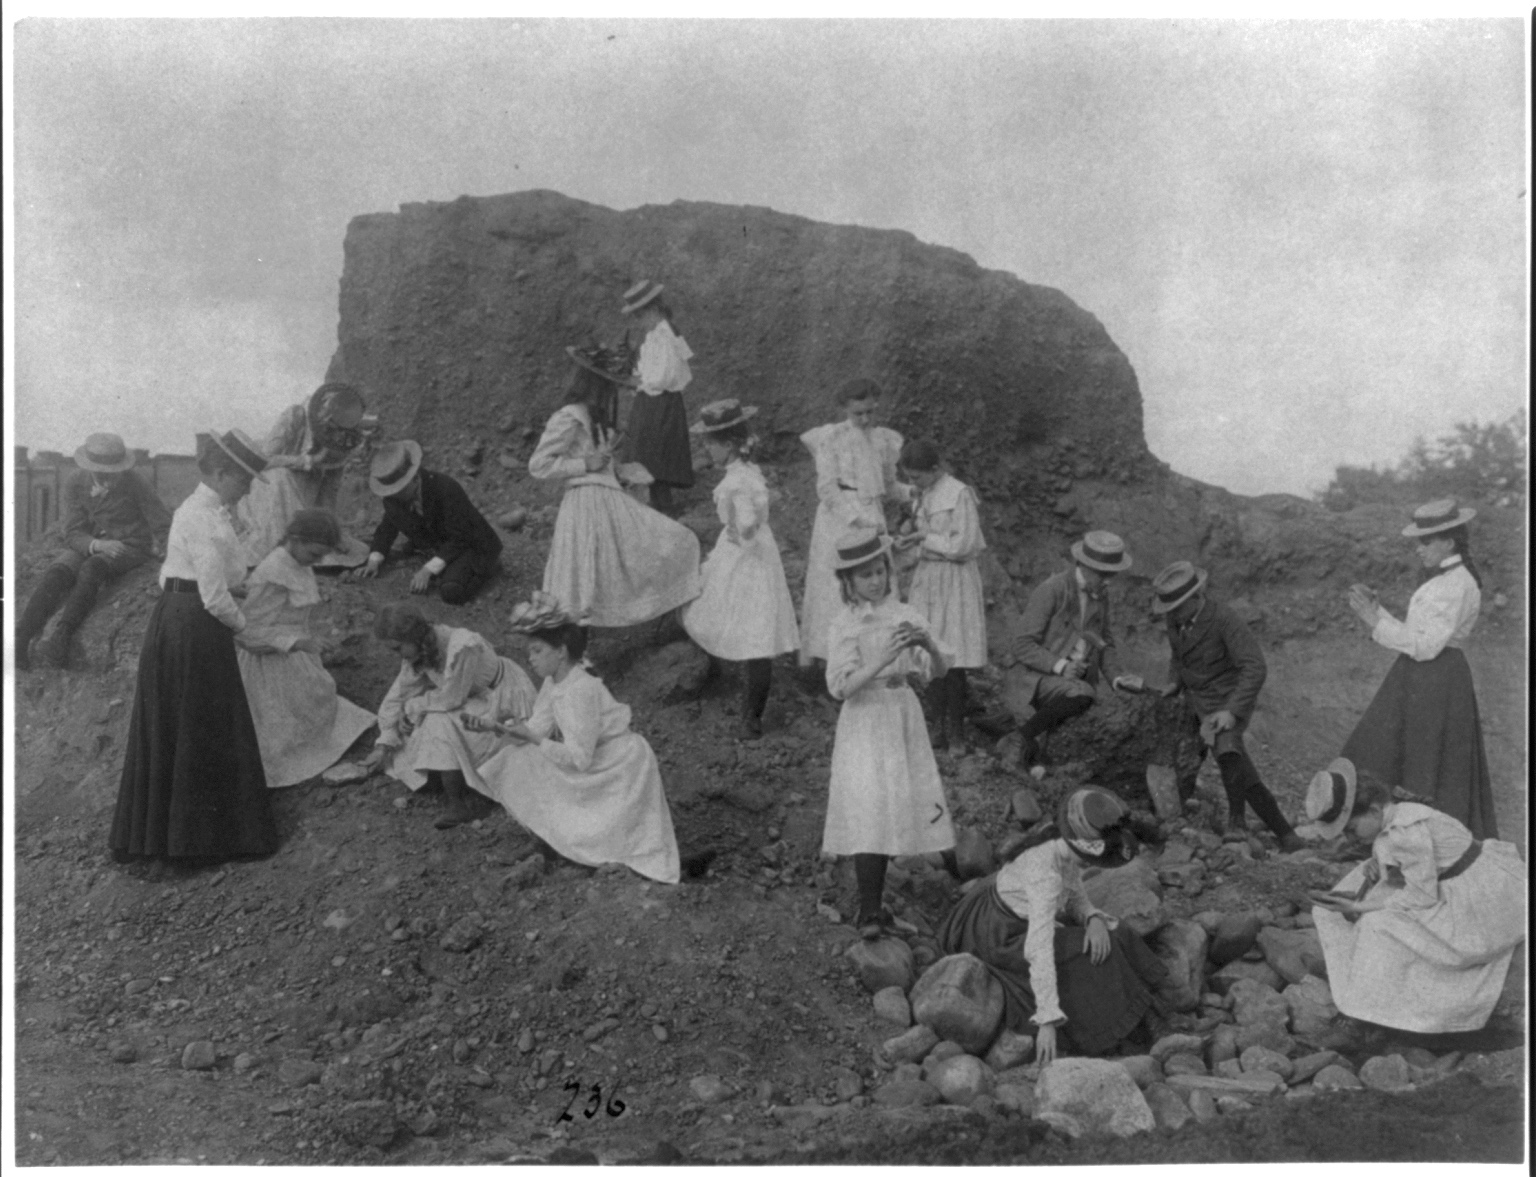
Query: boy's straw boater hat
x=641 y=293
x=1175 y=584
x=1102 y=550
x=1440 y=515
x=104 y=453
x=722 y=414
x=394 y=465
x=1330 y=799
x=860 y=545
x=340 y=404
x=601 y=361
x=245 y=452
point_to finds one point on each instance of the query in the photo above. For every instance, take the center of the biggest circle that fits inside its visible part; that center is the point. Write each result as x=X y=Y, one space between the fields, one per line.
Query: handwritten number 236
x=615 y=1107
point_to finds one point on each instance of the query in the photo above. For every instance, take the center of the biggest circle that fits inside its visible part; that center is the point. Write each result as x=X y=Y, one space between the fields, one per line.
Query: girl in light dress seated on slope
x=573 y=772
x=743 y=612
x=885 y=797
x=448 y=676
x=946 y=585
x=612 y=561
x=302 y=725
x=1419 y=936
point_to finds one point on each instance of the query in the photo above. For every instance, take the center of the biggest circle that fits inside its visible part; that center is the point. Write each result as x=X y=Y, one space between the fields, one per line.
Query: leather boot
x=456 y=798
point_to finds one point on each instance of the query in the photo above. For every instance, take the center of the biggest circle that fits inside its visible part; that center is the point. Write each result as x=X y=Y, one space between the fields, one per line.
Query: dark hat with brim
x=1103 y=551
x=1440 y=515
x=245 y=452
x=104 y=453
x=314 y=525
x=340 y=404
x=640 y=294
x=601 y=361
x=393 y=467
x=1175 y=584
x=722 y=414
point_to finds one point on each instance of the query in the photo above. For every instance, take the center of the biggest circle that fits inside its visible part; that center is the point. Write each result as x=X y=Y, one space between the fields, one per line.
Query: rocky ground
x=380 y=991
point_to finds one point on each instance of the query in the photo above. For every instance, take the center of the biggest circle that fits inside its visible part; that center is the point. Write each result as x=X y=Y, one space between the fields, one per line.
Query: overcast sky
x=1308 y=238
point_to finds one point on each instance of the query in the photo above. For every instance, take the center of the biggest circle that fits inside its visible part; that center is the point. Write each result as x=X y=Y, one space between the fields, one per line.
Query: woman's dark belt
x=176 y=584
x=1468 y=857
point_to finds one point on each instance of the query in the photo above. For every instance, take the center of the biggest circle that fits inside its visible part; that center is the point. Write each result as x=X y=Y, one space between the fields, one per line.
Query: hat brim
x=85 y=462
x=396 y=485
x=886 y=543
x=1462 y=517
x=1079 y=555
x=1160 y=607
x=646 y=299
x=620 y=381
x=746 y=415
x=1324 y=830
x=349 y=420
x=237 y=459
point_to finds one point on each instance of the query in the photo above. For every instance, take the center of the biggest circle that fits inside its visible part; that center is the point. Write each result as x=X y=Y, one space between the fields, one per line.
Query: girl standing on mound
x=885 y=798
x=743 y=612
x=946 y=586
x=612 y=561
x=658 y=420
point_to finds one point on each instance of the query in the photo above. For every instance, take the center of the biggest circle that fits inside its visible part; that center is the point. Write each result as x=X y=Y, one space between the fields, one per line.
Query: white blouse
x=663 y=362
x=571 y=718
x=946 y=513
x=741 y=500
x=855 y=470
x=857 y=635
x=1416 y=843
x=1441 y=613
x=563 y=450
x=203 y=546
x=471 y=666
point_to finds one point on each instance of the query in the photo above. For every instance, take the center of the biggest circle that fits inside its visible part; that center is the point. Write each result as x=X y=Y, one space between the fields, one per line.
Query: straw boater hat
x=723 y=414
x=1103 y=550
x=859 y=545
x=340 y=404
x=393 y=466
x=104 y=453
x=245 y=452
x=1175 y=584
x=602 y=361
x=1330 y=799
x=641 y=293
x=1440 y=515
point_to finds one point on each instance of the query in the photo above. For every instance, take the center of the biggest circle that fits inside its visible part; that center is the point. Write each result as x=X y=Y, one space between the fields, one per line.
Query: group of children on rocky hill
x=233 y=697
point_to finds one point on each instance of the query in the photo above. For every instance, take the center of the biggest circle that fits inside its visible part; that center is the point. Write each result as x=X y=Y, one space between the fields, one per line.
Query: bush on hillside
x=1475 y=461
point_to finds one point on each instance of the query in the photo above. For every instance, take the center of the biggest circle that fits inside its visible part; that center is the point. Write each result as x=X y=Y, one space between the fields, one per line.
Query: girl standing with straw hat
x=743 y=612
x=658 y=419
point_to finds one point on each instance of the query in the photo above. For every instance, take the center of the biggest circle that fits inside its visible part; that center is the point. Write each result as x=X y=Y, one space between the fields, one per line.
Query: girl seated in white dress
x=744 y=612
x=448 y=676
x=612 y=561
x=1419 y=936
x=573 y=773
x=302 y=725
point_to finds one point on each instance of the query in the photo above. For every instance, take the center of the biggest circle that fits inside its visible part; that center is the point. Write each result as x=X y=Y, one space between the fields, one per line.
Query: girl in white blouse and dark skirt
x=1422 y=733
x=658 y=419
x=192 y=786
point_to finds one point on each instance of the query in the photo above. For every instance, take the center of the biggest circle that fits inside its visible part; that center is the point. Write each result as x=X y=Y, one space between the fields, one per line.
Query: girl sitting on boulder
x=574 y=773
x=1419 y=936
x=1084 y=986
x=885 y=798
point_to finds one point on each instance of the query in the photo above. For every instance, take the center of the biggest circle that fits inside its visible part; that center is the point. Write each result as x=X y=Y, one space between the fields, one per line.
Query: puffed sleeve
x=1410 y=848
x=1033 y=890
x=843 y=657
x=1432 y=616
x=662 y=365
x=393 y=706
x=579 y=714
x=560 y=437
x=956 y=534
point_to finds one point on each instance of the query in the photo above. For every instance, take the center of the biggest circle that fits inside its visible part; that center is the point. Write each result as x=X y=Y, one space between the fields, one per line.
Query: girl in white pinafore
x=885 y=797
x=574 y=774
x=743 y=613
x=302 y=725
x=855 y=474
x=612 y=561
x=946 y=586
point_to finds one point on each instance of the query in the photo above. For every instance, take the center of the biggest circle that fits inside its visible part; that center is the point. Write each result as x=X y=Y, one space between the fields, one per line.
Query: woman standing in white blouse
x=1086 y=984
x=658 y=420
x=1422 y=733
x=192 y=786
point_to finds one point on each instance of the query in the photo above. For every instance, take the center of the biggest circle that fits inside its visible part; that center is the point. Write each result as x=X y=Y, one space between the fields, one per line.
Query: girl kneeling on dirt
x=574 y=773
x=447 y=677
x=1085 y=986
x=885 y=798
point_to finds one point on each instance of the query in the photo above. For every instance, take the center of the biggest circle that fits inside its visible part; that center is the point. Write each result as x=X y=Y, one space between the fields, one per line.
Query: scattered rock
x=525 y=872
x=1203 y=1105
x=1143 y=1069
x=1181 y=945
x=891 y=1005
x=907 y=1093
x=1496 y=1068
x=1097 y=1093
x=1230 y=974
x=1293 y=953
x=912 y=1046
x=1130 y=893
x=1262 y=1058
x=1308 y=1065
x=882 y=964
x=1168 y=1107
x=139 y=985
x=942 y=1051
x=1270 y=1033
x=1386 y=1073
x=907 y=1071
x=1248 y=1085
x=1235 y=934
x=1009 y=1049
x=1335 y=1078
x=597 y=1030
x=298 y=1072
x=200 y=1056
x=1253 y=1002
x=1018 y=1097
x=961 y=1079
x=124 y=1052
x=960 y=998
x=675 y=673
x=526 y=1041
x=1184 y=1064
x=709 y=1089
x=1228 y=1068
x=245 y=1061
x=846 y=1083
x=514 y=519
x=1223 y=1045
x=465 y=934
x=1171 y=1044
x=1184 y=875
x=368 y=1122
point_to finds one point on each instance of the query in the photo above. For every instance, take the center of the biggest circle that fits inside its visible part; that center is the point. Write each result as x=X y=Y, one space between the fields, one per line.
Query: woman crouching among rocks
x=1084 y=986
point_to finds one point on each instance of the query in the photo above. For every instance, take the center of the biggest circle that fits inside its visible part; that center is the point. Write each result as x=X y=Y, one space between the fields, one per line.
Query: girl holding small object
x=612 y=560
x=658 y=420
x=448 y=676
x=574 y=773
x=946 y=585
x=855 y=477
x=302 y=725
x=1418 y=937
x=1422 y=733
x=744 y=612
x=885 y=797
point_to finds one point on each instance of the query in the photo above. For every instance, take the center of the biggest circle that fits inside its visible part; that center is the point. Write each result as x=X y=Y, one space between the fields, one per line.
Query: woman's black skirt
x=1103 y=1003
x=658 y=437
x=1422 y=733
x=192 y=784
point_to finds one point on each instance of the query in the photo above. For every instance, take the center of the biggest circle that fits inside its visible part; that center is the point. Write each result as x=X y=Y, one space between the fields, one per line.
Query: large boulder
x=1096 y=1093
x=1131 y=893
x=961 y=1000
x=1168 y=1107
x=1181 y=945
x=1294 y=953
x=1235 y=934
x=882 y=964
x=911 y=1046
x=961 y=1079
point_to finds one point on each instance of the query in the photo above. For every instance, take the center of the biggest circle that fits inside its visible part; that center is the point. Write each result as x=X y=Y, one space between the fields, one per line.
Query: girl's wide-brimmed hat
x=394 y=465
x=338 y=404
x=540 y=611
x=1330 y=801
x=104 y=453
x=722 y=414
x=860 y=545
x=1175 y=584
x=1091 y=820
x=314 y=525
x=1102 y=550
x=245 y=452
x=641 y=293
x=1440 y=515
x=601 y=361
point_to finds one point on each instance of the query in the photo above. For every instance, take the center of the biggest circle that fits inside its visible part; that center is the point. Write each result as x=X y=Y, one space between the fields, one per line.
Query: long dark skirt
x=1102 y=1002
x=192 y=784
x=658 y=437
x=1422 y=733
